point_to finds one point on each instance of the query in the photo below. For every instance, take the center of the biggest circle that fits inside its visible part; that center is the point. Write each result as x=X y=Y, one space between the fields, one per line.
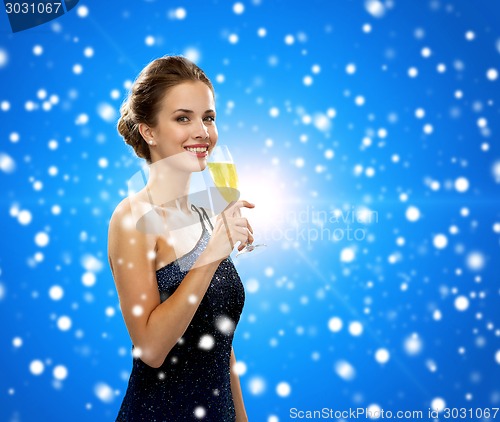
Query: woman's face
x=185 y=132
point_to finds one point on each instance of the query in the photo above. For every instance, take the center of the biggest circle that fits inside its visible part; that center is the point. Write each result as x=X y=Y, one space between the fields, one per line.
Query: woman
x=179 y=292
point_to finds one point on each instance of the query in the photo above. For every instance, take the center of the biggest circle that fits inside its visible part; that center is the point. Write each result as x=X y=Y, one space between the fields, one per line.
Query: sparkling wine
x=223 y=172
x=225 y=179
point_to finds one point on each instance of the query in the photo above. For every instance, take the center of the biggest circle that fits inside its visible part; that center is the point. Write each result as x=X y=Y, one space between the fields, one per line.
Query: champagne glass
x=225 y=177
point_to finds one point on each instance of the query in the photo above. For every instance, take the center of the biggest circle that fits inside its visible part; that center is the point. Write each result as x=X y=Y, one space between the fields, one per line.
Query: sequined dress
x=193 y=383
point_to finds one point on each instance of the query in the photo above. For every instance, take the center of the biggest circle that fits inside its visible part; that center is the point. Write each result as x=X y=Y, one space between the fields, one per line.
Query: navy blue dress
x=193 y=383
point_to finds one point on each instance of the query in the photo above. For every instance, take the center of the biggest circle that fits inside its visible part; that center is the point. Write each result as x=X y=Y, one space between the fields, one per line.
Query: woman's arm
x=241 y=414
x=155 y=327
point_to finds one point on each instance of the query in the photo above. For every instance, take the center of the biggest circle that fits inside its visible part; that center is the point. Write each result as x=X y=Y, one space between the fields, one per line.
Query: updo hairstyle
x=148 y=90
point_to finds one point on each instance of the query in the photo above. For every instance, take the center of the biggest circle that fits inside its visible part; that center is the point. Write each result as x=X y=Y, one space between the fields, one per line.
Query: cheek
x=176 y=134
x=213 y=132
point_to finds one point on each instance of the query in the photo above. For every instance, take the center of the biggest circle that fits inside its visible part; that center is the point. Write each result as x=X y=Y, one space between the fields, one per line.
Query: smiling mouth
x=197 y=150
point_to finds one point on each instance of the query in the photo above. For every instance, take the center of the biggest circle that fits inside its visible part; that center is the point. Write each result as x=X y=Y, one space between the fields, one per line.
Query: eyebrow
x=183 y=110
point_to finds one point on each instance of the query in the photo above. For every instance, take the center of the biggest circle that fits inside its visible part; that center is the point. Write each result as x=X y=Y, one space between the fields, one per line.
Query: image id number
x=32 y=8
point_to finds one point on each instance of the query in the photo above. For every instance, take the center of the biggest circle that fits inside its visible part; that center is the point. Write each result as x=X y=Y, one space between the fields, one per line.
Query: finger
x=240 y=231
x=243 y=221
x=239 y=221
x=249 y=227
x=228 y=232
x=245 y=241
x=243 y=203
x=240 y=234
x=234 y=208
x=250 y=237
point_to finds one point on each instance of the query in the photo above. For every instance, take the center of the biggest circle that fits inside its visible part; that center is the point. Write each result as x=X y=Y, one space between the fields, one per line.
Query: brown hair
x=144 y=99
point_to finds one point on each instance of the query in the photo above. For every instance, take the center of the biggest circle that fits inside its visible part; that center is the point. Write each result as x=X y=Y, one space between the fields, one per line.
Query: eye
x=210 y=119
x=183 y=119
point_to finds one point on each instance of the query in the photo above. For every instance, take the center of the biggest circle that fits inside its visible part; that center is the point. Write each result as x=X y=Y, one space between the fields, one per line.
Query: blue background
x=304 y=151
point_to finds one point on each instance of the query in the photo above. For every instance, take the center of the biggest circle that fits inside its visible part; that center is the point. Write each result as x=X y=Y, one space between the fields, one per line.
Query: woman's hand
x=230 y=228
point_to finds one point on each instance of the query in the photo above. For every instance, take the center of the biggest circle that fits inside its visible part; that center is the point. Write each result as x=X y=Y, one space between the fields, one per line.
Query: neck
x=168 y=186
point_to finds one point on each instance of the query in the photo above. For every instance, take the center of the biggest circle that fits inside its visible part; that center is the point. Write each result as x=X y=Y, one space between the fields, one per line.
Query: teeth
x=203 y=149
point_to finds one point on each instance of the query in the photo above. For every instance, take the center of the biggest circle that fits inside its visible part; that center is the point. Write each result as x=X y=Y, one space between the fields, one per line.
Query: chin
x=185 y=162
x=195 y=165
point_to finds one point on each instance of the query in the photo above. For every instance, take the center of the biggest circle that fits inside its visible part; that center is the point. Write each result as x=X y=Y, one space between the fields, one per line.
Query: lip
x=197 y=146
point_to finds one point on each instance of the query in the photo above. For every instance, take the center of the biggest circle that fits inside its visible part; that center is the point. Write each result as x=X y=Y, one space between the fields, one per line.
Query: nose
x=201 y=131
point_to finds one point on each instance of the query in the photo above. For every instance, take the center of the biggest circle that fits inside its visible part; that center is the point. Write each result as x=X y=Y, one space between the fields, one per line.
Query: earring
x=150 y=142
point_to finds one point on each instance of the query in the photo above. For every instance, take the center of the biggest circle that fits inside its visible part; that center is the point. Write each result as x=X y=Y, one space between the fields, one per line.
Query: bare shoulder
x=129 y=215
x=121 y=226
x=125 y=237
x=121 y=217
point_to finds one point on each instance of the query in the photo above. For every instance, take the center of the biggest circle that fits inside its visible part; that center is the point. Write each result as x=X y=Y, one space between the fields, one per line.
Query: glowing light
x=345 y=370
x=412 y=214
x=238 y=8
x=106 y=112
x=335 y=324
x=426 y=52
x=350 y=68
x=91 y=263
x=180 y=13
x=412 y=72
x=322 y=122
x=104 y=392
x=42 y=239
x=4 y=57
x=257 y=385
x=329 y=154
x=64 y=323
x=7 y=164
x=82 y=11
x=283 y=389
x=438 y=404
x=373 y=411
x=382 y=356
x=475 y=261
x=225 y=325
x=60 y=372
x=492 y=74
x=375 y=8
x=461 y=184
x=347 y=255
x=137 y=310
x=36 y=367
x=461 y=303
x=440 y=241
x=37 y=50
x=206 y=342
x=266 y=218
x=413 y=345
x=88 y=279
x=240 y=368
x=199 y=412
x=355 y=328
x=252 y=285
x=56 y=293
x=192 y=54
x=274 y=112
